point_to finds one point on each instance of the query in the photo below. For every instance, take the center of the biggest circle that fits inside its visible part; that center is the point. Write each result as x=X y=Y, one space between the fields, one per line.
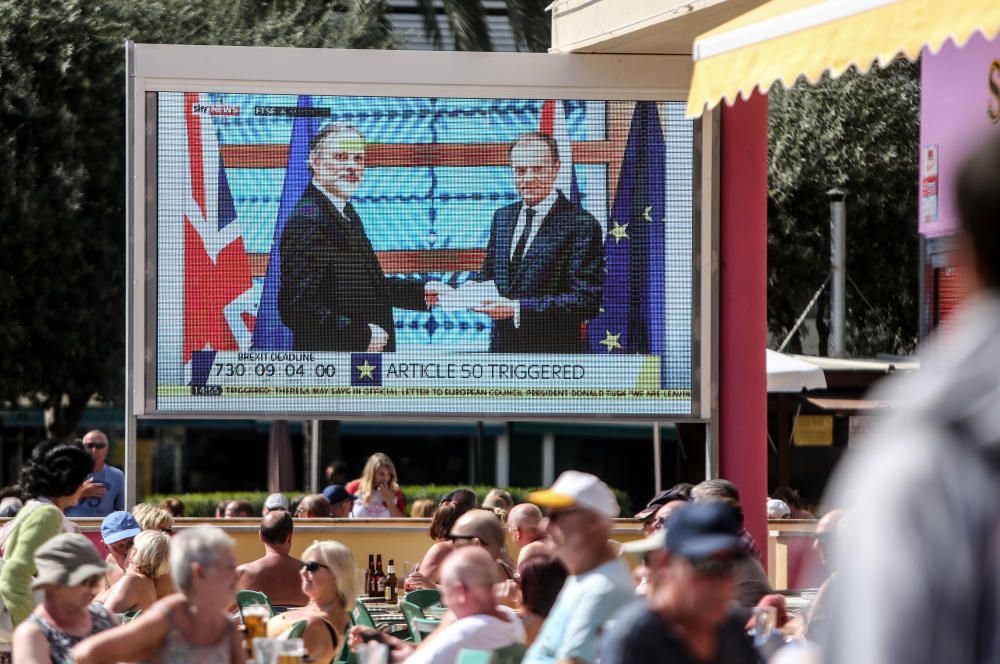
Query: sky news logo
x=229 y=110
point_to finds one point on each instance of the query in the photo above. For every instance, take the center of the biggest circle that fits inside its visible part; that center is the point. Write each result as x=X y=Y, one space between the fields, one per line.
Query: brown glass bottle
x=370 y=576
x=379 y=585
x=390 y=583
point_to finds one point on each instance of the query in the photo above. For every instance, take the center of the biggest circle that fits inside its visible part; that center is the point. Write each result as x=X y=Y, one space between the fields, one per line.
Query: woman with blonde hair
x=148 y=560
x=499 y=502
x=328 y=581
x=378 y=491
x=151 y=517
x=193 y=625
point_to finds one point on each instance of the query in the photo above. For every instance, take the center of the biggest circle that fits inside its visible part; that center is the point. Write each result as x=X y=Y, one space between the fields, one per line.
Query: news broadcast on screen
x=369 y=255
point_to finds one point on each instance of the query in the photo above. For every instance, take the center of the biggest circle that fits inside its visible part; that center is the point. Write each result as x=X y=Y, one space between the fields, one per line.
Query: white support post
x=548 y=458
x=503 y=461
x=131 y=465
x=314 y=458
x=657 y=459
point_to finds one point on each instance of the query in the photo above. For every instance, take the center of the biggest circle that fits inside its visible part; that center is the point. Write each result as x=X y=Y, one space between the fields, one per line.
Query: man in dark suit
x=334 y=295
x=545 y=255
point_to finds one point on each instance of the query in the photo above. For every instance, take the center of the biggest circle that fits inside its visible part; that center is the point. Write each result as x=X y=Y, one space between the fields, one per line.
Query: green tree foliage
x=859 y=133
x=470 y=31
x=62 y=165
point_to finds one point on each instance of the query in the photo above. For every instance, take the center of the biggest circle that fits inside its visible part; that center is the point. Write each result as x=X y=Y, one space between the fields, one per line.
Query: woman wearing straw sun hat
x=69 y=574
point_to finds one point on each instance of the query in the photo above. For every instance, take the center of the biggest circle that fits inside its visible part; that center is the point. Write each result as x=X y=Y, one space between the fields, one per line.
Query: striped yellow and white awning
x=785 y=39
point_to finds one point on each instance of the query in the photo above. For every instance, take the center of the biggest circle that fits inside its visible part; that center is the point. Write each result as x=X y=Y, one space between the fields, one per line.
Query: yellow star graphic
x=610 y=341
x=618 y=232
x=366 y=371
x=645 y=213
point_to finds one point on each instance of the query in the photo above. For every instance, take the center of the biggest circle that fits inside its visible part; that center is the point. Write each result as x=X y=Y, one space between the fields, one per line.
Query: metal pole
x=314 y=458
x=503 y=461
x=131 y=496
x=548 y=458
x=657 y=459
x=838 y=268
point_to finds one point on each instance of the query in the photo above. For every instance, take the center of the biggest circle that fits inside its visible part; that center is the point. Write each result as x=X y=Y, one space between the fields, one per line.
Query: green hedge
x=203 y=504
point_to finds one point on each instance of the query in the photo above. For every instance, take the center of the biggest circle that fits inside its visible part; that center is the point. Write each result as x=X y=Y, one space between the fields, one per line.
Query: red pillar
x=743 y=308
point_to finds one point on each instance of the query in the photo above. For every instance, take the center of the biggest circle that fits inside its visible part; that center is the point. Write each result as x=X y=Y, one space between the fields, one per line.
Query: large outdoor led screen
x=362 y=255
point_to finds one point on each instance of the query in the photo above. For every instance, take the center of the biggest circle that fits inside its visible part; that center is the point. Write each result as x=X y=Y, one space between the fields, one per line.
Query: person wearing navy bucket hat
x=689 y=617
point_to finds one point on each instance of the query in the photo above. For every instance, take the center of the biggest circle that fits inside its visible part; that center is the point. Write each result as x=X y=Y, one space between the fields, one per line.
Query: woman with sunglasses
x=69 y=574
x=328 y=581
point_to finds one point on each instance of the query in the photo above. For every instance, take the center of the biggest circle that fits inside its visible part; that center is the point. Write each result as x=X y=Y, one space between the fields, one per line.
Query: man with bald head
x=476 y=621
x=524 y=527
x=276 y=574
x=817 y=619
x=314 y=506
x=334 y=295
x=482 y=528
x=104 y=489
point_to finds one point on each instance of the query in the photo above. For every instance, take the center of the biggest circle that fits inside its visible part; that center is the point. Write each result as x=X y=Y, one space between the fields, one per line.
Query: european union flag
x=269 y=333
x=366 y=370
x=632 y=319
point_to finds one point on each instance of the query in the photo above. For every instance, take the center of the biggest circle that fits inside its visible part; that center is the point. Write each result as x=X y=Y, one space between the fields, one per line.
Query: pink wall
x=960 y=87
x=743 y=308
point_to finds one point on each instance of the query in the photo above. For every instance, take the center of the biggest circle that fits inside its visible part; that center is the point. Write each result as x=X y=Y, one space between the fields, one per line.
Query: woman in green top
x=53 y=479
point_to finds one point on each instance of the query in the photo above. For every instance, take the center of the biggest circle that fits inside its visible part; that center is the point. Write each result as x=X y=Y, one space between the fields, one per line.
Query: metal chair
x=423 y=597
x=467 y=656
x=245 y=598
x=361 y=615
x=296 y=631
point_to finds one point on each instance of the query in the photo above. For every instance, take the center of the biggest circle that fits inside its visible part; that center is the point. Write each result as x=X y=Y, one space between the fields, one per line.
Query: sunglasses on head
x=312 y=566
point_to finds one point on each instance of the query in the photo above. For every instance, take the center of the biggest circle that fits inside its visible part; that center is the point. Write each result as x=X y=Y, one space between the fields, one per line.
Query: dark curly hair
x=55 y=469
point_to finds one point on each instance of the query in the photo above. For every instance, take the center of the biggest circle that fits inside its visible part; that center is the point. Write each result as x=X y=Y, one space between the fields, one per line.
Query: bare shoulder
x=438 y=551
x=533 y=549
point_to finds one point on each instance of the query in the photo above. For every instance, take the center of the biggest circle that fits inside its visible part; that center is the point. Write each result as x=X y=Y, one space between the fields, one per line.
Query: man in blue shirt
x=104 y=489
x=579 y=523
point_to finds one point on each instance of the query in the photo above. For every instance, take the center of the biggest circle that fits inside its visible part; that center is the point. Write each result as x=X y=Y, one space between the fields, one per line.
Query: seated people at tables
x=53 y=478
x=118 y=532
x=148 y=560
x=499 y=502
x=239 y=509
x=327 y=579
x=70 y=571
x=173 y=505
x=688 y=617
x=276 y=573
x=341 y=501
x=192 y=626
x=104 y=489
x=654 y=511
x=581 y=508
x=378 y=491
x=720 y=489
x=542 y=577
x=313 y=506
x=751 y=579
x=150 y=517
x=423 y=509
x=524 y=525
x=818 y=618
x=474 y=621
x=483 y=529
x=275 y=502
x=452 y=506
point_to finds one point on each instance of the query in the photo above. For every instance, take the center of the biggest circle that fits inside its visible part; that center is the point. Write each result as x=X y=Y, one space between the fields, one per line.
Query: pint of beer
x=291 y=651
x=255 y=619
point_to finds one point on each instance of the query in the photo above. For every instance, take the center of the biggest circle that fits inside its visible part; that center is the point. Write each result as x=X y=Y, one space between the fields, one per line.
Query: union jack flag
x=218 y=307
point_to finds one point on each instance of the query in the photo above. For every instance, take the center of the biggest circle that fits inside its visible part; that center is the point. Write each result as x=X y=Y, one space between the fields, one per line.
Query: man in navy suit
x=334 y=295
x=545 y=255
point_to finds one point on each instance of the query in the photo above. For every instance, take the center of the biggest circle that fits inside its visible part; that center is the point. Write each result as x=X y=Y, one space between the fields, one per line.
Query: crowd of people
x=567 y=595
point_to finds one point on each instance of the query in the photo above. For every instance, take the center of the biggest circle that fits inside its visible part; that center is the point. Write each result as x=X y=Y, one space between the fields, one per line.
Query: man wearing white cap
x=275 y=502
x=579 y=523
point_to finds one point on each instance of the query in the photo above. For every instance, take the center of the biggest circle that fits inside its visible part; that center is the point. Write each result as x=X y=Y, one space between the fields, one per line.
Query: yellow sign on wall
x=813 y=430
